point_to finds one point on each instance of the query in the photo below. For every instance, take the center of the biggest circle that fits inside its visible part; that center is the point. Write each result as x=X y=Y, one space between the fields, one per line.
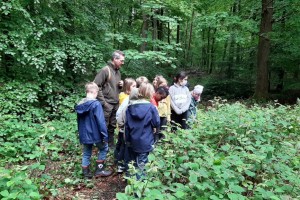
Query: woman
x=180 y=100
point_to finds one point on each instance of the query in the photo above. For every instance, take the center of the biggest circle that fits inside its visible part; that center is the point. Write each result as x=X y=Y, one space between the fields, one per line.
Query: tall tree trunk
x=224 y=62
x=204 y=55
x=190 y=35
x=178 y=33
x=232 y=41
x=212 y=51
x=185 y=40
x=208 y=50
x=169 y=33
x=231 y=63
x=262 y=80
x=144 y=32
x=160 y=26
x=130 y=16
x=154 y=28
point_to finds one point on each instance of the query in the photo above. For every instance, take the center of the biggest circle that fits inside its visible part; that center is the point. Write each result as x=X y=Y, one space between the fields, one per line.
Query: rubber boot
x=86 y=172
x=100 y=169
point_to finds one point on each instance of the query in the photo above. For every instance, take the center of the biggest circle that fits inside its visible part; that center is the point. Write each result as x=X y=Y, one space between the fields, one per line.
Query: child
x=164 y=106
x=196 y=95
x=92 y=130
x=160 y=94
x=141 y=120
x=180 y=100
x=124 y=104
x=129 y=85
x=140 y=80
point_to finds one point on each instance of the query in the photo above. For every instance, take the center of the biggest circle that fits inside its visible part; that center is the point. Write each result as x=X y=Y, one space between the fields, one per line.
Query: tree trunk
x=212 y=51
x=185 y=40
x=208 y=50
x=144 y=32
x=154 y=28
x=231 y=63
x=190 y=35
x=169 y=33
x=204 y=55
x=160 y=26
x=262 y=80
x=178 y=33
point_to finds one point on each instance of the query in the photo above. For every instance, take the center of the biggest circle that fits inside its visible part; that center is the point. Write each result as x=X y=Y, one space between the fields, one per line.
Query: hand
x=121 y=83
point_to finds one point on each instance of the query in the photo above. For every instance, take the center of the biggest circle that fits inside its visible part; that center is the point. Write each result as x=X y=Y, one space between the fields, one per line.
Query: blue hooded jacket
x=91 y=122
x=141 y=119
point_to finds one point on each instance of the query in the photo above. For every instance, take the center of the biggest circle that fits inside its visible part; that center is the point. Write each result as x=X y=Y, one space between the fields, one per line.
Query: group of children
x=145 y=110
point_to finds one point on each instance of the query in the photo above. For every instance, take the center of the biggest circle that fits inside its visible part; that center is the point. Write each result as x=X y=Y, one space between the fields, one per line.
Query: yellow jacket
x=164 y=108
x=122 y=96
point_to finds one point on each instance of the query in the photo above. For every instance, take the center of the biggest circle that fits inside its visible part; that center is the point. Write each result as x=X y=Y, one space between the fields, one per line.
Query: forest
x=245 y=143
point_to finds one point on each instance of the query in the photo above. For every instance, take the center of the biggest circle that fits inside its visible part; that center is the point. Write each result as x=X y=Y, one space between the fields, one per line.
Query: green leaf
x=234 y=196
x=10 y=183
x=4 y=193
x=34 y=194
x=68 y=180
x=250 y=173
x=214 y=197
x=236 y=188
x=42 y=167
x=121 y=196
x=180 y=194
x=151 y=157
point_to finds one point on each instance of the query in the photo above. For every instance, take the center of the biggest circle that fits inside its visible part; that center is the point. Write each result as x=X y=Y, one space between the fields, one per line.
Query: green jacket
x=107 y=80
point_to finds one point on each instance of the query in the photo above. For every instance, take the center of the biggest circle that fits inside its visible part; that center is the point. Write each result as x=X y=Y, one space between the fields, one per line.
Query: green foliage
x=231 y=152
x=16 y=184
x=19 y=98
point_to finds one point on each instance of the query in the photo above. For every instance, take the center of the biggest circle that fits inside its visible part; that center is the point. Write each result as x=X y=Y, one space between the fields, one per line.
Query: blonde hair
x=128 y=82
x=155 y=81
x=161 y=81
x=91 y=86
x=146 y=91
x=140 y=80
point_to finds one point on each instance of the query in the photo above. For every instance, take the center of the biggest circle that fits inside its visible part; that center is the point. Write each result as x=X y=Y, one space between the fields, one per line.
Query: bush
x=16 y=184
x=231 y=152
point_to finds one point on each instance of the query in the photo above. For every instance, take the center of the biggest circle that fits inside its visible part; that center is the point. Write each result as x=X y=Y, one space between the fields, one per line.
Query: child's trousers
x=87 y=152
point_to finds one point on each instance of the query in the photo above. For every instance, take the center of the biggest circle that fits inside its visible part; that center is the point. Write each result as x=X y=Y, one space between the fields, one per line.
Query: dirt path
x=102 y=189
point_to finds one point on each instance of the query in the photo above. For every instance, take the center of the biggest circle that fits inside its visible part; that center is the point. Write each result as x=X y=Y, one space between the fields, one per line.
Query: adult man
x=109 y=82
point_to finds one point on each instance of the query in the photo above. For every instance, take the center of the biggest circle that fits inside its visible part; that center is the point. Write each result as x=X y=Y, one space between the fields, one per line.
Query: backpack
x=109 y=73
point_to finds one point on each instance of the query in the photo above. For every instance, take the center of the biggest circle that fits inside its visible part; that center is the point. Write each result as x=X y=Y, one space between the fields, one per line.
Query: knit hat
x=198 y=89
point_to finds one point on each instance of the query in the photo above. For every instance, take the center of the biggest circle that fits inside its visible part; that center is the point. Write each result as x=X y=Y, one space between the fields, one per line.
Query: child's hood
x=139 y=110
x=84 y=105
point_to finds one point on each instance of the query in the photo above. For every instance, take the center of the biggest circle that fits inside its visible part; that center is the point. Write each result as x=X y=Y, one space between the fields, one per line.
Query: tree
x=262 y=80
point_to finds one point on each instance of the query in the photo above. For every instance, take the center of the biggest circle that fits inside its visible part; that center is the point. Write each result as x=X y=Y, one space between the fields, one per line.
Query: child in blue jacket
x=142 y=119
x=92 y=130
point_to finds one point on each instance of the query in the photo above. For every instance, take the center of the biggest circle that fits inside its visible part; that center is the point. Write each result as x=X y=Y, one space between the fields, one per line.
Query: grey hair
x=117 y=54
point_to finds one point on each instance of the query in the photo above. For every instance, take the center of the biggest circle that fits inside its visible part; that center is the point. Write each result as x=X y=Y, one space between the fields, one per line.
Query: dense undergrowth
x=233 y=151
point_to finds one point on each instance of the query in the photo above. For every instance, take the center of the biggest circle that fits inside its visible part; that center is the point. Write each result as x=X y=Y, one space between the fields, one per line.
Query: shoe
x=86 y=172
x=120 y=169
x=100 y=170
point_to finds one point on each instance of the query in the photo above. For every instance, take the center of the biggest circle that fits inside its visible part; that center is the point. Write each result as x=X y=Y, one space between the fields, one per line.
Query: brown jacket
x=107 y=80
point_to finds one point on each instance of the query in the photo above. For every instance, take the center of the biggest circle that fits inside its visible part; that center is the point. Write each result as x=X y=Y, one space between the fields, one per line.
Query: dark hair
x=116 y=54
x=162 y=90
x=181 y=75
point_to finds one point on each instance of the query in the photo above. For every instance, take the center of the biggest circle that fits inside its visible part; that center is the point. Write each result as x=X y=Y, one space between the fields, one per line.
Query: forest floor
x=103 y=189
x=83 y=189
